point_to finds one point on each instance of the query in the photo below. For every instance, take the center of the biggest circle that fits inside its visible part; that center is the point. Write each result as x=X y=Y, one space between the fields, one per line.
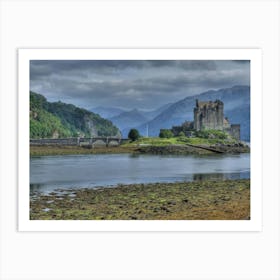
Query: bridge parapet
x=76 y=141
x=50 y=141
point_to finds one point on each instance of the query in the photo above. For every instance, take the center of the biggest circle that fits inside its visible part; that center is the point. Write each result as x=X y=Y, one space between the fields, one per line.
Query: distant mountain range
x=127 y=120
x=107 y=112
x=114 y=112
x=236 y=108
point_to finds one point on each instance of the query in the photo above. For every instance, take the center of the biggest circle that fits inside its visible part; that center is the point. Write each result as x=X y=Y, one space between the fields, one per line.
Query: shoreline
x=179 y=149
x=77 y=150
x=196 y=200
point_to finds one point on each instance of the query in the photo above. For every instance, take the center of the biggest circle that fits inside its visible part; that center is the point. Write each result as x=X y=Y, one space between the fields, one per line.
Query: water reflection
x=35 y=187
x=220 y=176
x=87 y=171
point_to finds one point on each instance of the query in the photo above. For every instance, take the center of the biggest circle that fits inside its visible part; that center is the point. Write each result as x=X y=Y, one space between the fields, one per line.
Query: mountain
x=57 y=119
x=111 y=112
x=107 y=112
x=127 y=120
x=236 y=108
x=153 y=113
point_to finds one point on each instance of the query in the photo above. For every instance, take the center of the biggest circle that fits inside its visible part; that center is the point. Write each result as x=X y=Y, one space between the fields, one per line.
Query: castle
x=208 y=115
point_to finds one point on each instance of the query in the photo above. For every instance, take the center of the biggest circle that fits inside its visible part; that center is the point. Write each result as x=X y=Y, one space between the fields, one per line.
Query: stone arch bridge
x=79 y=141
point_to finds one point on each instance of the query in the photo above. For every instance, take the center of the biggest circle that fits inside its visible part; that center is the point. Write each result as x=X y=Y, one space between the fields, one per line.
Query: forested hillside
x=57 y=120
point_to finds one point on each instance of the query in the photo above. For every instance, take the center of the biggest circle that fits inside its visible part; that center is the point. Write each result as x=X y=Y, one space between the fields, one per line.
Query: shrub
x=133 y=134
x=165 y=133
x=181 y=134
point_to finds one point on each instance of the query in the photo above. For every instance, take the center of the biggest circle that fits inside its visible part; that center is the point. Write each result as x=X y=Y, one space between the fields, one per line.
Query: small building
x=186 y=128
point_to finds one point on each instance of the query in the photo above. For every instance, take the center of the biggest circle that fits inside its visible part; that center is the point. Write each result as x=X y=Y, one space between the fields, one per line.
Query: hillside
x=57 y=119
x=127 y=120
x=107 y=112
x=236 y=108
x=153 y=113
x=116 y=113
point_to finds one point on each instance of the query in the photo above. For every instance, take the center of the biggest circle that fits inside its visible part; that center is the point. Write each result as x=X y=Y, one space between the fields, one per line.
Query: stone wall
x=235 y=131
x=78 y=141
x=185 y=127
x=59 y=141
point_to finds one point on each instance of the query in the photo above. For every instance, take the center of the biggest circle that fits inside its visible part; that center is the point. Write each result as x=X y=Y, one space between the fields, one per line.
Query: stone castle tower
x=209 y=115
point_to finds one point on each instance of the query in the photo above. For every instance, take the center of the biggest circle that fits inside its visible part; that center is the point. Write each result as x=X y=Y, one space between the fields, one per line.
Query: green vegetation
x=76 y=150
x=150 y=145
x=212 y=134
x=204 y=137
x=58 y=119
x=198 y=200
x=133 y=134
x=157 y=141
x=166 y=133
x=42 y=123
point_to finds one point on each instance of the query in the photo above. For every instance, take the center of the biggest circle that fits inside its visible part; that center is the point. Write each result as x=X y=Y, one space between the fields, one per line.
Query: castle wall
x=184 y=127
x=235 y=131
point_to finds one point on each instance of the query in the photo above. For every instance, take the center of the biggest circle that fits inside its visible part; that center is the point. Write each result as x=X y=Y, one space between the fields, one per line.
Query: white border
x=254 y=55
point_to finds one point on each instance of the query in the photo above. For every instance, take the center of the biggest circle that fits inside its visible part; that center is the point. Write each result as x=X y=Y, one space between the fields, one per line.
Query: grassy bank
x=179 y=140
x=155 y=145
x=199 y=200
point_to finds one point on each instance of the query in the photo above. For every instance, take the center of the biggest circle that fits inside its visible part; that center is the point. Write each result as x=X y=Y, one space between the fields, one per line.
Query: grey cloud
x=134 y=83
x=48 y=67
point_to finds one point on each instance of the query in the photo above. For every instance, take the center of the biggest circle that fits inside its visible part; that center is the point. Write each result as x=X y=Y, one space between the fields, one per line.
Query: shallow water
x=48 y=173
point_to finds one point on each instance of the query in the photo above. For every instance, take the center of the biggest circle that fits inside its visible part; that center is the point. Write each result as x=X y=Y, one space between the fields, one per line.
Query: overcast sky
x=143 y=84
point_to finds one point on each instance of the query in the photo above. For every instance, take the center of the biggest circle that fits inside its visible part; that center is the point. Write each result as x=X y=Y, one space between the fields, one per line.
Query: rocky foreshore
x=175 y=149
x=239 y=147
x=197 y=200
x=187 y=149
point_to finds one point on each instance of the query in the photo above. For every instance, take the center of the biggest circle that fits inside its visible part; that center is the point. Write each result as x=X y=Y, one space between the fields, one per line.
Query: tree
x=133 y=134
x=165 y=133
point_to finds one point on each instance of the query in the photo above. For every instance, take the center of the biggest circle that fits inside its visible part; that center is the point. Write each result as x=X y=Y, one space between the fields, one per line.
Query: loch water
x=49 y=173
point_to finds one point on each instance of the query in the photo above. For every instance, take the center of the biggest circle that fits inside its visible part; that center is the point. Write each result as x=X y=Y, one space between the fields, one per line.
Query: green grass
x=156 y=141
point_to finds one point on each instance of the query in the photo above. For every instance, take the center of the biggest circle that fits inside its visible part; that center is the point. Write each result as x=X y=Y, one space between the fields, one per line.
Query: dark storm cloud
x=132 y=83
x=47 y=67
